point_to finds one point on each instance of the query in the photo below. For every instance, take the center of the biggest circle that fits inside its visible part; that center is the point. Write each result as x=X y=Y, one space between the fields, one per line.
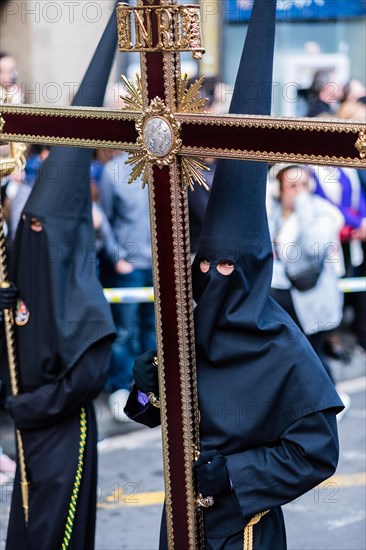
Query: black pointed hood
x=68 y=166
x=251 y=357
x=55 y=269
x=245 y=180
x=235 y=226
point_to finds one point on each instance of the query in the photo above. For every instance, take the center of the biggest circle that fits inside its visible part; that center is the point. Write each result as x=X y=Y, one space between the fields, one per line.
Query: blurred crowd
x=317 y=219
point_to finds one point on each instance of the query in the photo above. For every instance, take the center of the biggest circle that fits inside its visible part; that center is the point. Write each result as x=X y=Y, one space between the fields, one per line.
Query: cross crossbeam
x=274 y=139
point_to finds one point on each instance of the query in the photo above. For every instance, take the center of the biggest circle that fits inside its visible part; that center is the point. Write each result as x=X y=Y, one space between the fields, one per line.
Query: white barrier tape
x=129 y=295
x=352 y=284
x=146 y=294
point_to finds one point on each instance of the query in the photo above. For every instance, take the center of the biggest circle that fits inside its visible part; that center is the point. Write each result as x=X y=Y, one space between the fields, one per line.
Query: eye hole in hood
x=225 y=267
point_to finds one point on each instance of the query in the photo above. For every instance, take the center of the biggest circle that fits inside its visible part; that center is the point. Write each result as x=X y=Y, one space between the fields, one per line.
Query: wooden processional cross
x=168 y=134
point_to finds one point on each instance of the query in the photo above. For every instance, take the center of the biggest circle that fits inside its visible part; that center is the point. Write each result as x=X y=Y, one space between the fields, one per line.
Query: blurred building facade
x=52 y=42
x=310 y=35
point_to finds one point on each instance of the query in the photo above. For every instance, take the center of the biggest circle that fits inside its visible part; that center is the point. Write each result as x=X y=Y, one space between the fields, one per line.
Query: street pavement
x=131 y=488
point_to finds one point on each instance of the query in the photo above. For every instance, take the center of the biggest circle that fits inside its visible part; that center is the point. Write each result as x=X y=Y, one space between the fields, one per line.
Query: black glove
x=10 y=403
x=8 y=296
x=212 y=474
x=145 y=373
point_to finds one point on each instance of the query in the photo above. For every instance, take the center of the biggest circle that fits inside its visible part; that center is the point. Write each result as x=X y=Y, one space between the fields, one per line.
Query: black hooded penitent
x=55 y=269
x=257 y=373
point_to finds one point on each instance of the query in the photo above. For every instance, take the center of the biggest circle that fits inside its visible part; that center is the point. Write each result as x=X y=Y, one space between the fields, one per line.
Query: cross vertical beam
x=173 y=312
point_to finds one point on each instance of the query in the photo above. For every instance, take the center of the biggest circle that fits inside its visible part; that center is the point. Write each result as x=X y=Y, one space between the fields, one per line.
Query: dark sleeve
x=306 y=455
x=148 y=415
x=51 y=403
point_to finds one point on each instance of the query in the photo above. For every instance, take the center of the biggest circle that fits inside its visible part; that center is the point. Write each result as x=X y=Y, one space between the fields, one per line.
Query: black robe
x=49 y=420
x=265 y=473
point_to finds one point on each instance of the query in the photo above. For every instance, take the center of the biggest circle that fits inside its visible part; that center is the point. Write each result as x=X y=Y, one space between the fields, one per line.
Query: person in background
x=36 y=154
x=105 y=243
x=19 y=186
x=8 y=298
x=353 y=90
x=123 y=233
x=346 y=191
x=14 y=183
x=324 y=94
x=127 y=210
x=9 y=79
x=304 y=229
x=342 y=188
x=11 y=93
x=355 y=109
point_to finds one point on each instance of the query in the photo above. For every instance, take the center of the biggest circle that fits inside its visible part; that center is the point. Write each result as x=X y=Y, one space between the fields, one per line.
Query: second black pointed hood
x=235 y=226
x=55 y=268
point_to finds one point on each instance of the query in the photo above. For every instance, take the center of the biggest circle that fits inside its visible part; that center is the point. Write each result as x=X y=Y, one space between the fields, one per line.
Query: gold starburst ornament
x=158 y=131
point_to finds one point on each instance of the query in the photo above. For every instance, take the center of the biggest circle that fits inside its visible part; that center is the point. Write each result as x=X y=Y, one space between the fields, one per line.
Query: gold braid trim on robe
x=248 y=531
x=79 y=472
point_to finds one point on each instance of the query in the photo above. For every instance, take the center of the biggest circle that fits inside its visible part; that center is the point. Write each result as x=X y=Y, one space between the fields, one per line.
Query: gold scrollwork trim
x=165 y=49
x=283 y=123
x=161 y=365
x=178 y=207
x=272 y=156
x=72 y=142
x=144 y=81
x=69 y=112
x=361 y=144
x=171 y=67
